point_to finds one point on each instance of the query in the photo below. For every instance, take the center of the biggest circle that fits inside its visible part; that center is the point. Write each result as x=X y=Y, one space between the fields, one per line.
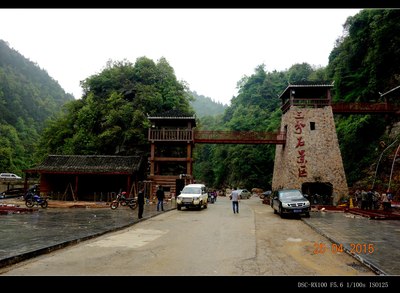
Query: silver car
x=290 y=201
x=244 y=193
x=9 y=176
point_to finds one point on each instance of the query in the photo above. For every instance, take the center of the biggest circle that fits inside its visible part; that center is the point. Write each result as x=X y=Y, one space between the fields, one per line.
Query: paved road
x=28 y=235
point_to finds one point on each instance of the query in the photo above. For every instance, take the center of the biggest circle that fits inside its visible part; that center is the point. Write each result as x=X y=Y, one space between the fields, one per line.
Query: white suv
x=9 y=176
x=192 y=196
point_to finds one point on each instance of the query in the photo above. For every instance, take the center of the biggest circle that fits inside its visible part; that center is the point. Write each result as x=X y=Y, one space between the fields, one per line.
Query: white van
x=192 y=196
x=9 y=176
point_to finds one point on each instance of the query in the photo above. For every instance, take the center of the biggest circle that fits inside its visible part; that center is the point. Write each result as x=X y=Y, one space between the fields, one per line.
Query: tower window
x=312 y=125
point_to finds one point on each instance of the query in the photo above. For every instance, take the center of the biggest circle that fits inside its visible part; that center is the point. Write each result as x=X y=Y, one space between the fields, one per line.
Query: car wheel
x=178 y=207
x=307 y=215
x=280 y=212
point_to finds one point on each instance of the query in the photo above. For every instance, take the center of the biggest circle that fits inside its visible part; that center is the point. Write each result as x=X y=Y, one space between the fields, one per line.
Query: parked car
x=192 y=196
x=9 y=176
x=244 y=193
x=13 y=192
x=290 y=201
x=265 y=194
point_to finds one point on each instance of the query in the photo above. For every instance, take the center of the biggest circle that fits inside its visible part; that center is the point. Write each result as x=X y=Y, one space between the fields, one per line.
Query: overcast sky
x=209 y=49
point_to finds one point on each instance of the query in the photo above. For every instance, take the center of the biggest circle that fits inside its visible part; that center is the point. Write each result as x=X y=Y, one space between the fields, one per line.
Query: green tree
x=111 y=117
x=364 y=62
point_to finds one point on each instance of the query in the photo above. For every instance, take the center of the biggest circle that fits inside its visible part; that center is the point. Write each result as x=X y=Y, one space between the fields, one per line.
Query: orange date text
x=353 y=248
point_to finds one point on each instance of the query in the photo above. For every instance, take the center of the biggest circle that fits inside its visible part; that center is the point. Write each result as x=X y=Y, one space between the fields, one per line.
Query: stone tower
x=310 y=160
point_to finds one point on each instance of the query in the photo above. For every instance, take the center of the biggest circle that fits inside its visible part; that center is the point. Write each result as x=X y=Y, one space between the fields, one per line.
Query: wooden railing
x=239 y=137
x=215 y=136
x=307 y=103
x=364 y=108
x=343 y=108
x=170 y=134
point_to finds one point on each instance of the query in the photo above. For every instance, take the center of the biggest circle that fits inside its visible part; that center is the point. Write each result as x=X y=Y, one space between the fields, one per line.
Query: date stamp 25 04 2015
x=354 y=248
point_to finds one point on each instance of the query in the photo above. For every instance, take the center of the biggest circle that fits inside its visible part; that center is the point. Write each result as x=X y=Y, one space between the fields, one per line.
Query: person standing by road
x=385 y=202
x=389 y=195
x=370 y=199
x=364 y=200
x=235 y=201
x=140 y=202
x=160 y=197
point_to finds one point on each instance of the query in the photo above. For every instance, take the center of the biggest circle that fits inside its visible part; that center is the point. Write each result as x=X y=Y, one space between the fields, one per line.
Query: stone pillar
x=311 y=153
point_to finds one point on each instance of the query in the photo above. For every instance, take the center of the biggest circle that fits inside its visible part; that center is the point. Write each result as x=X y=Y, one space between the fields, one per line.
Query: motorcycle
x=33 y=199
x=211 y=197
x=124 y=201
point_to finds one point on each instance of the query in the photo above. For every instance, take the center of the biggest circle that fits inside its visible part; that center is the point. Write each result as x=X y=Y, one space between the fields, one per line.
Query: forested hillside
x=28 y=96
x=364 y=63
x=205 y=106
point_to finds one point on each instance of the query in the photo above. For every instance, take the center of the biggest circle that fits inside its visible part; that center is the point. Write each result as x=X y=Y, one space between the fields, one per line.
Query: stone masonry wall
x=311 y=153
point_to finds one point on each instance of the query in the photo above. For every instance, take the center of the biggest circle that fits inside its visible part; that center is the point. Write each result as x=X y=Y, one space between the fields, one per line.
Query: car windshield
x=293 y=194
x=192 y=190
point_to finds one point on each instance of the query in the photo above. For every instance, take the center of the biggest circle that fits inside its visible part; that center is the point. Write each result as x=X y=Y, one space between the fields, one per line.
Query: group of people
x=372 y=200
x=141 y=200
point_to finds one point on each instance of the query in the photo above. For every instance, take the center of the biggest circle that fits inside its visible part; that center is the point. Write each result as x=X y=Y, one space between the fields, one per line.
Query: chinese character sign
x=298 y=130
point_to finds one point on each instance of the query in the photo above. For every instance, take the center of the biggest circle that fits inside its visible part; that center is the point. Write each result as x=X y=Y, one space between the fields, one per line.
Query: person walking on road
x=235 y=201
x=160 y=197
x=140 y=202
